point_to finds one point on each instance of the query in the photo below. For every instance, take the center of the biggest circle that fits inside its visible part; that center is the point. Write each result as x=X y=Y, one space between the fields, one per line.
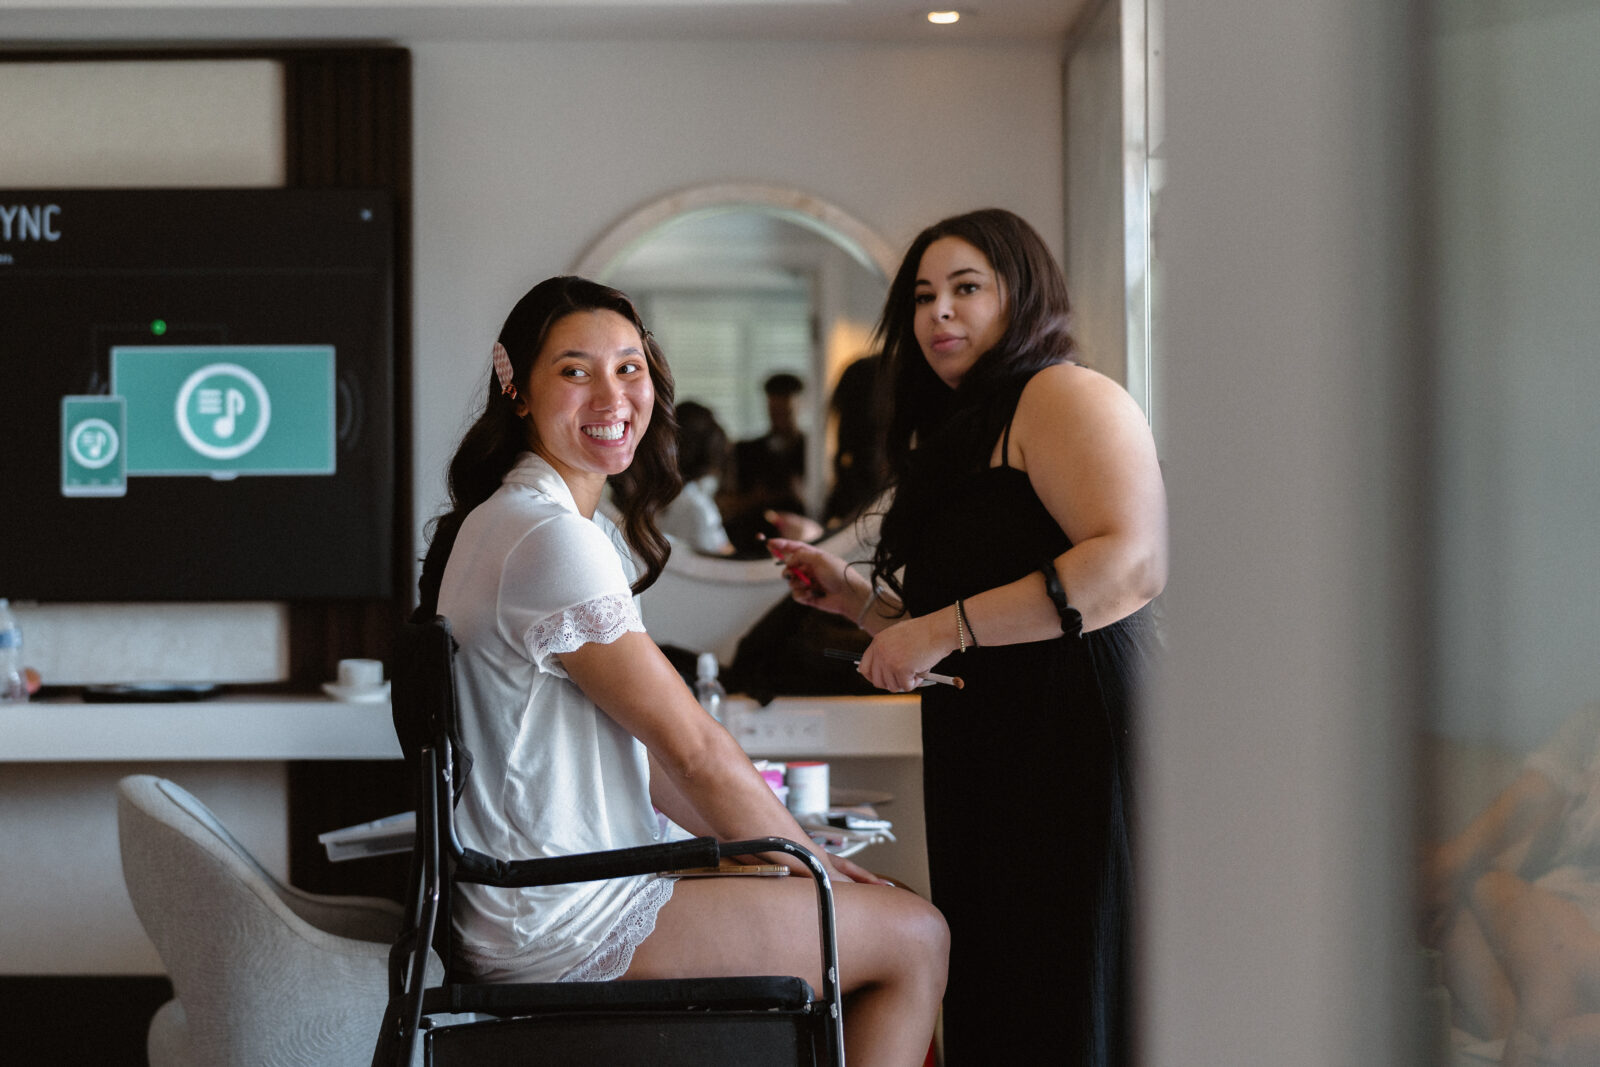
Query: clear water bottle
x=707 y=689
x=13 y=686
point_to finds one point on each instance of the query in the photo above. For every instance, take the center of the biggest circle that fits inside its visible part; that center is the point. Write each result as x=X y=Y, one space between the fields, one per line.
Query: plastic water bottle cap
x=706 y=665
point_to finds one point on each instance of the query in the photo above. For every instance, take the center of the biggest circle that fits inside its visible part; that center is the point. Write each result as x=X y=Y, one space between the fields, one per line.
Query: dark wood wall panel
x=347 y=122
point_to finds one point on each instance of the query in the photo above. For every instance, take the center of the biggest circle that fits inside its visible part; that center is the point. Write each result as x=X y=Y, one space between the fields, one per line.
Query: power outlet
x=766 y=732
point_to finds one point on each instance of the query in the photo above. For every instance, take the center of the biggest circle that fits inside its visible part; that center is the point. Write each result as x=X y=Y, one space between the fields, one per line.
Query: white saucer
x=357 y=694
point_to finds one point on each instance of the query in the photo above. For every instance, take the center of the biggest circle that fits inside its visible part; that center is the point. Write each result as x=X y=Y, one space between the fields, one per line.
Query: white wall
x=141 y=123
x=526 y=152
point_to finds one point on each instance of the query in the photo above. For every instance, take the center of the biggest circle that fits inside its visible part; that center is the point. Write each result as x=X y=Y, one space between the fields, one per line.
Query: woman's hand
x=855 y=872
x=901 y=654
x=817 y=578
x=792 y=526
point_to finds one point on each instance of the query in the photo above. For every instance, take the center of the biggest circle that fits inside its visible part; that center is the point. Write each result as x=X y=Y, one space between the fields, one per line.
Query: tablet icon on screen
x=93 y=446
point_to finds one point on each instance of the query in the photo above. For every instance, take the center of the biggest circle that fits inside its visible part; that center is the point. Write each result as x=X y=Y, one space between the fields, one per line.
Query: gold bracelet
x=961 y=628
x=963 y=621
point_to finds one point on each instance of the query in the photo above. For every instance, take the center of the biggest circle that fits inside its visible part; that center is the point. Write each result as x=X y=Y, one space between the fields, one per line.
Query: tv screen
x=196 y=394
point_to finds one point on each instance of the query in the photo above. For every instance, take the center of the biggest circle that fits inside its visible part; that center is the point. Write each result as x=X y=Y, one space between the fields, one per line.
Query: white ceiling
x=27 y=21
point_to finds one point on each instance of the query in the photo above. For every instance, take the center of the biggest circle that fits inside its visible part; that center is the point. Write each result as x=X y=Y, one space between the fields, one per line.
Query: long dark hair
x=702 y=442
x=492 y=443
x=934 y=432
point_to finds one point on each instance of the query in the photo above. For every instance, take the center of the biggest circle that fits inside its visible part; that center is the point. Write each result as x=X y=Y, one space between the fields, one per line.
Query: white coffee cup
x=360 y=673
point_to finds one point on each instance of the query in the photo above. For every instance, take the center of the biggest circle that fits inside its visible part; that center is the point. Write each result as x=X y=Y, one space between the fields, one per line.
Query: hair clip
x=502 y=370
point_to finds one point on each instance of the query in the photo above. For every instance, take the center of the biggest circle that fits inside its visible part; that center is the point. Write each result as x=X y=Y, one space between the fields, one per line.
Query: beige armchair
x=263 y=973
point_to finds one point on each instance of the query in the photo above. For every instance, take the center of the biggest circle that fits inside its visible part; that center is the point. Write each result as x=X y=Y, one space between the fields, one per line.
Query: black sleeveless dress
x=1025 y=781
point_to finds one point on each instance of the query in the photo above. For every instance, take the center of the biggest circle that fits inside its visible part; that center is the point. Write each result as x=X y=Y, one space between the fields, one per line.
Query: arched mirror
x=739 y=283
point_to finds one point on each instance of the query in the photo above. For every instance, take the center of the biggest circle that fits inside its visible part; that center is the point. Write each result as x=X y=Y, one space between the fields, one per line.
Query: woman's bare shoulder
x=1073 y=392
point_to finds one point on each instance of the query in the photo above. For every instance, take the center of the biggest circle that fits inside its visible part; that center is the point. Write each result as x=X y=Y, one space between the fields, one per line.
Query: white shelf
x=318 y=728
x=225 y=728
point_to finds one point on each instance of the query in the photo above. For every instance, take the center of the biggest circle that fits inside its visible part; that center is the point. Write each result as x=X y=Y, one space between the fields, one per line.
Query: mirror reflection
x=765 y=311
x=1510 y=876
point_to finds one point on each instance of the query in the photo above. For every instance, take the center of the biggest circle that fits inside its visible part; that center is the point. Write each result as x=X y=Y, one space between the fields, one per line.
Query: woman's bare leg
x=893 y=952
x=1549 y=950
x=1482 y=1001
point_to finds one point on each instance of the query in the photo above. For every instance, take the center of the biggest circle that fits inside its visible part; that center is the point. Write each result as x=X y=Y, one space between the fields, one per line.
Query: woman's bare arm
x=1091 y=458
x=707 y=784
x=1504 y=834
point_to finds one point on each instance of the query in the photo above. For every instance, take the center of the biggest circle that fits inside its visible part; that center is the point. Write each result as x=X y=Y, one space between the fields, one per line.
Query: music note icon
x=233 y=407
x=94 y=443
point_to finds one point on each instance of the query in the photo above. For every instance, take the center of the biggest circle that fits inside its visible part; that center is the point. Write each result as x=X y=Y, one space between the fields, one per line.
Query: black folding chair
x=759 y=1020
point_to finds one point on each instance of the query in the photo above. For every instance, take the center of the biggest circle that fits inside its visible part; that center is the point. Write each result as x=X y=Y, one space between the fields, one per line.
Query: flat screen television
x=196 y=394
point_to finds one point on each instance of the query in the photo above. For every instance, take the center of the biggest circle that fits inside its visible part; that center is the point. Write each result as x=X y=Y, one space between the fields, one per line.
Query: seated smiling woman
x=582 y=728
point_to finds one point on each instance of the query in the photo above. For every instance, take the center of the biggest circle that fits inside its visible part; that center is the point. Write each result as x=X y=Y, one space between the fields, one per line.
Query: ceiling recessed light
x=944 y=18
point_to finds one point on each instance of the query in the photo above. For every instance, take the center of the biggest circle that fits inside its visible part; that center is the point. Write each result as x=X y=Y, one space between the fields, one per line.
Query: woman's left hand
x=901 y=654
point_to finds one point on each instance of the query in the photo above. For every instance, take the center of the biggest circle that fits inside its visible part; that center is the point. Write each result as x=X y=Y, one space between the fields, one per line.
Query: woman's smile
x=612 y=431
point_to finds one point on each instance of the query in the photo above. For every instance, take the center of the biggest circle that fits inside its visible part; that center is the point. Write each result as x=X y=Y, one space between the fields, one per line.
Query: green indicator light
x=158 y=327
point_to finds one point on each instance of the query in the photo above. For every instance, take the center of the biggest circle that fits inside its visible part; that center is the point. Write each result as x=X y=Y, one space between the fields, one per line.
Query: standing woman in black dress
x=1026 y=536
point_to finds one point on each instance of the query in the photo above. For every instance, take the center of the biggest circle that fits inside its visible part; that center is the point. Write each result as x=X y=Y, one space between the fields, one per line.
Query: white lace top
x=528 y=579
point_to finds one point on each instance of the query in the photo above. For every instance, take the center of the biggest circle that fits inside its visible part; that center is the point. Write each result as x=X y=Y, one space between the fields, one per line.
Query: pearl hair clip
x=502 y=370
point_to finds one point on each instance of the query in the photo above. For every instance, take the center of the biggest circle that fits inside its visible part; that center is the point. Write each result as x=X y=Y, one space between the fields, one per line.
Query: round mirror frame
x=792 y=204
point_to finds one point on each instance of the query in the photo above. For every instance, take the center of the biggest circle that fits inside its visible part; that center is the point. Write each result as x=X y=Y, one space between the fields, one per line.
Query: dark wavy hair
x=492 y=443
x=933 y=432
x=702 y=442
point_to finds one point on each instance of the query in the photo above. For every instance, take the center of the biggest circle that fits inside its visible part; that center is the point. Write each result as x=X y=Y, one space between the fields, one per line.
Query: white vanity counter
x=224 y=728
x=272 y=728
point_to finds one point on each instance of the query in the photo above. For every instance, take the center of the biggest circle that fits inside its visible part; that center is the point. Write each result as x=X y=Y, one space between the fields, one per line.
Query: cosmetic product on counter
x=808 y=786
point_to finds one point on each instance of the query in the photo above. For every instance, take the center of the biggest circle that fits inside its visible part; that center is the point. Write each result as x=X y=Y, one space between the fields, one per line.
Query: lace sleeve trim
x=602 y=620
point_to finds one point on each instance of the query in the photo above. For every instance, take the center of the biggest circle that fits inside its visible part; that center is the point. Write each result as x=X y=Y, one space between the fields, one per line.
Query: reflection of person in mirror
x=1025 y=538
x=581 y=727
x=692 y=516
x=765 y=493
x=1513 y=904
x=859 y=472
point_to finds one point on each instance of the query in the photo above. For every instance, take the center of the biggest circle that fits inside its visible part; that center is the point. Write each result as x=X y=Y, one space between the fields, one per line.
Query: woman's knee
x=909 y=933
x=936 y=935
x=932 y=930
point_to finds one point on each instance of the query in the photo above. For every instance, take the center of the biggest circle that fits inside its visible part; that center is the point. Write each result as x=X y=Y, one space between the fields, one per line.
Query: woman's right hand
x=816 y=578
x=902 y=653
